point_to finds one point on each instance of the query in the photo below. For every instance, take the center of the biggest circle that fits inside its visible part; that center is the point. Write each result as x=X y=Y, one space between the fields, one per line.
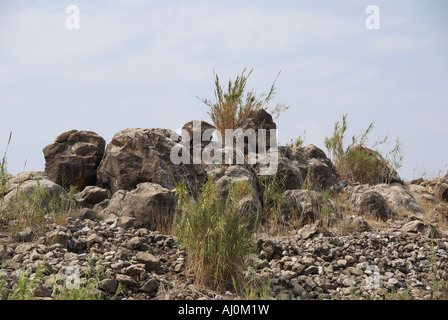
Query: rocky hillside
x=334 y=239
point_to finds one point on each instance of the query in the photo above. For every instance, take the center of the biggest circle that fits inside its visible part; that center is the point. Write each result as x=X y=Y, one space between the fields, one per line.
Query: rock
x=26 y=183
x=199 y=131
x=442 y=191
x=87 y=213
x=139 y=155
x=151 y=262
x=381 y=171
x=250 y=204
x=90 y=196
x=306 y=205
x=372 y=203
x=414 y=226
x=148 y=205
x=126 y=280
x=309 y=230
x=73 y=158
x=56 y=237
x=109 y=285
x=300 y=166
x=150 y=286
x=397 y=199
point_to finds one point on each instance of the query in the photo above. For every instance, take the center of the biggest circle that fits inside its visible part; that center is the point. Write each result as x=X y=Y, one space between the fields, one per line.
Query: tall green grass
x=218 y=239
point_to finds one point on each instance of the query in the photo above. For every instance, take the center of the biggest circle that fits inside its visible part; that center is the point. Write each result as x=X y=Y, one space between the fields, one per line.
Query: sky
x=146 y=64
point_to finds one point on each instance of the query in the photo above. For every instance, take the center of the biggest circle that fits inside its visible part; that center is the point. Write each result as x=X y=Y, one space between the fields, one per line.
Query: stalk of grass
x=3 y=171
x=216 y=236
x=232 y=105
x=25 y=287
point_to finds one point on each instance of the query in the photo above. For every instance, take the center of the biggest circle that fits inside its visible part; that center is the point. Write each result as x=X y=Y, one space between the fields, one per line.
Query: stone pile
x=305 y=265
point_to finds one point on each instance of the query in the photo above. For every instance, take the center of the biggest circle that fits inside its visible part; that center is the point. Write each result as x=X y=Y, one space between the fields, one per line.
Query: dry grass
x=356 y=162
x=234 y=104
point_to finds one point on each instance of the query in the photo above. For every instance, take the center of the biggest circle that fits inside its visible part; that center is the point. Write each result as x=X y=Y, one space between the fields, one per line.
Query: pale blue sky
x=143 y=63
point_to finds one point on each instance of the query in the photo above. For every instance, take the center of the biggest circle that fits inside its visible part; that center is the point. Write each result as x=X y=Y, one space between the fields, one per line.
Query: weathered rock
x=309 y=230
x=258 y=119
x=143 y=155
x=306 y=165
x=151 y=262
x=442 y=190
x=374 y=204
x=397 y=200
x=56 y=237
x=26 y=183
x=414 y=226
x=90 y=196
x=306 y=205
x=250 y=204
x=148 y=205
x=200 y=132
x=74 y=158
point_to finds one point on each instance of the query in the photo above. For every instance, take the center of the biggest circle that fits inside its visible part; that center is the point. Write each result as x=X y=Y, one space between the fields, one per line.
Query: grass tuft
x=218 y=239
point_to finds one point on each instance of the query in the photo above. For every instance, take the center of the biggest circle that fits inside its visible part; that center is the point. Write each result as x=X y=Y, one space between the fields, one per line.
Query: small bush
x=356 y=162
x=272 y=194
x=32 y=210
x=233 y=105
x=216 y=236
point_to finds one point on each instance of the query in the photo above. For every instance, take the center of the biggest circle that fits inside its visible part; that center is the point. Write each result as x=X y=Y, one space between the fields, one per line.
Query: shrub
x=29 y=210
x=216 y=236
x=233 y=105
x=272 y=194
x=358 y=163
x=32 y=210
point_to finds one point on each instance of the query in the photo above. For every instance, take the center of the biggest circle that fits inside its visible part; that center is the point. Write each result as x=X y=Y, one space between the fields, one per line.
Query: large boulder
x=197 y=133
x=258 y=119
x=372 y=203
x=383 y=200
x=308 y=166
x=143 y=155
x=149 y=205
x=72 y=160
